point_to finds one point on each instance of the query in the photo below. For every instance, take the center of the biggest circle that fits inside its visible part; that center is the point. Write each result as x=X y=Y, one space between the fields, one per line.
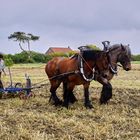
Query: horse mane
x=127 y=50
x=116 y=46
x=91 y=54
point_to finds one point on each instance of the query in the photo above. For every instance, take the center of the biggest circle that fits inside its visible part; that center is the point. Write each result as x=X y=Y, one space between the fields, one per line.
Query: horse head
x=121 y=53
x=125 y=57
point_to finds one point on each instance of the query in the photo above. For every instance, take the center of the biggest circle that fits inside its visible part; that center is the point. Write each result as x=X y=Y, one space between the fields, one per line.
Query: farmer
x=2 y=66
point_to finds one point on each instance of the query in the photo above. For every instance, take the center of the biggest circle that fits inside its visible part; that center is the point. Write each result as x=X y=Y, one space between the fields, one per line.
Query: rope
x=40 y=82
x=86 y=63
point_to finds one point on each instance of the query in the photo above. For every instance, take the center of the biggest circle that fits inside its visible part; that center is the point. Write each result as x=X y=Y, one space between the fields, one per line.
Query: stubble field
x=37 y=119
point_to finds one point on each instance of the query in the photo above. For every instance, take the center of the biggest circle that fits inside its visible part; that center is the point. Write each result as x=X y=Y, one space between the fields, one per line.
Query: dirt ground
x=37 y=119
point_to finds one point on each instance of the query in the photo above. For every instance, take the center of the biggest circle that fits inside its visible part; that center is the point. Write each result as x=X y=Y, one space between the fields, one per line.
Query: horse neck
x=115 y=55
x=89 y=65
x=89 y=59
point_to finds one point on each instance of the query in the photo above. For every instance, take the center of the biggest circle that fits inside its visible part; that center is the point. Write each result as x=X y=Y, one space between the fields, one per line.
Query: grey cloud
x=73 y=22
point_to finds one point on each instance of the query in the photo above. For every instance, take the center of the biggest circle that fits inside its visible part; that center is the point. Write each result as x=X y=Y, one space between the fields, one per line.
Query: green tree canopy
x=23 y=38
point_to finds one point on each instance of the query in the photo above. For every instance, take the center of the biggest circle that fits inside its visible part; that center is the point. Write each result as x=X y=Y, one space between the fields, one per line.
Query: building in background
x=53 y=50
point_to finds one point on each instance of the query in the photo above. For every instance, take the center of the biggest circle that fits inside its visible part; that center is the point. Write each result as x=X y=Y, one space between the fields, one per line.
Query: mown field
x=37 y=119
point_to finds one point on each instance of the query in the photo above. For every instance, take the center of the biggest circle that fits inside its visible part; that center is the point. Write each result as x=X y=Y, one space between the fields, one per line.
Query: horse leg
x=54 y=85
x=65 y=95
x=72 y=98
x=86 y=94
x=1 y=85
x=68 y=90
x=106 y=93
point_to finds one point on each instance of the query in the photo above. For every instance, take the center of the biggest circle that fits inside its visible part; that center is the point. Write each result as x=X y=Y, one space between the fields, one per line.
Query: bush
x=136 y=57
x=38 y=57
x=23 y=57
x=8 y=61
x=20 y=58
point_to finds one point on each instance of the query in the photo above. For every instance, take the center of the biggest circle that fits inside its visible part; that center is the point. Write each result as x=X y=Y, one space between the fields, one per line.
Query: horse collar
x=113 y=70
x=81 y=67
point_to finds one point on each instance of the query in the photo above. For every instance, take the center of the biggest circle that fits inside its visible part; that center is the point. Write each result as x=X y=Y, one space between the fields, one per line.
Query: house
x=53 y=50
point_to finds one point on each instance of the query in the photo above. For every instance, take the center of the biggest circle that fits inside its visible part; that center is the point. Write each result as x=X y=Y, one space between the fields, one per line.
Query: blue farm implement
x=18 y=89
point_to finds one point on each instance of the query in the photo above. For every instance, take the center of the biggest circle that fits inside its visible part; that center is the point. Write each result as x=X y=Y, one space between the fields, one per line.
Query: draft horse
x=78 y=70
x=118 y=53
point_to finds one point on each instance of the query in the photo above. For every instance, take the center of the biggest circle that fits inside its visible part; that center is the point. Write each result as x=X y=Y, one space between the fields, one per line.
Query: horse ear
x=123 y=48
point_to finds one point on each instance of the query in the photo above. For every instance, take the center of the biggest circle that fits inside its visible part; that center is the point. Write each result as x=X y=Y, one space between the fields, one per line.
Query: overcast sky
x=62 y=23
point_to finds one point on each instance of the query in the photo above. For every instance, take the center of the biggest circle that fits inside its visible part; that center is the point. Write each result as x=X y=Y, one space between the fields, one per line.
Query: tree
x=22 y=38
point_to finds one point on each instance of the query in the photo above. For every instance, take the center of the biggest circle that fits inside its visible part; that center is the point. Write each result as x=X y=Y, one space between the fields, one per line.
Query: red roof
x=64 y=50
x=58 y=50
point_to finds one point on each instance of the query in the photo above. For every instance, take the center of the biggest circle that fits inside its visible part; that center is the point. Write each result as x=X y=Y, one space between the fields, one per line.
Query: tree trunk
x=29 y=50
x=21 y=47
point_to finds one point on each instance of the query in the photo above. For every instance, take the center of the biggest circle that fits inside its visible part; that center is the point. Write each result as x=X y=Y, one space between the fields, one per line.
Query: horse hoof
x=73 y=101
x=65 y=105
x=103 y=102
x=89 y=106
x=58 y=103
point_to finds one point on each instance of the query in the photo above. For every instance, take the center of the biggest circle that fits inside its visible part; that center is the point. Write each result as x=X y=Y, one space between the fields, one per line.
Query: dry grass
x=36 y=119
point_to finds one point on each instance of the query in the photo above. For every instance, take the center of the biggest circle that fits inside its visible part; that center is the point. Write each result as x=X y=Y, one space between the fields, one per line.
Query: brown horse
x=77 y=70
x=118 y=53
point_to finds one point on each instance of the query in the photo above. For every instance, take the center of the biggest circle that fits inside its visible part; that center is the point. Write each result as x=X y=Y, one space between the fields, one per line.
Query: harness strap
x=114 y=71
x=119 y=65
x=81 y=67
x=64 y=74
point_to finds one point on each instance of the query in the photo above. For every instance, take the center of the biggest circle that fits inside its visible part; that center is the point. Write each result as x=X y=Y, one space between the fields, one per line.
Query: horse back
x=60 y=65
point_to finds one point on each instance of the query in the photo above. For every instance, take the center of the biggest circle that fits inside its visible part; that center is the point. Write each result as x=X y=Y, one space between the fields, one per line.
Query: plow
x=23 y=92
